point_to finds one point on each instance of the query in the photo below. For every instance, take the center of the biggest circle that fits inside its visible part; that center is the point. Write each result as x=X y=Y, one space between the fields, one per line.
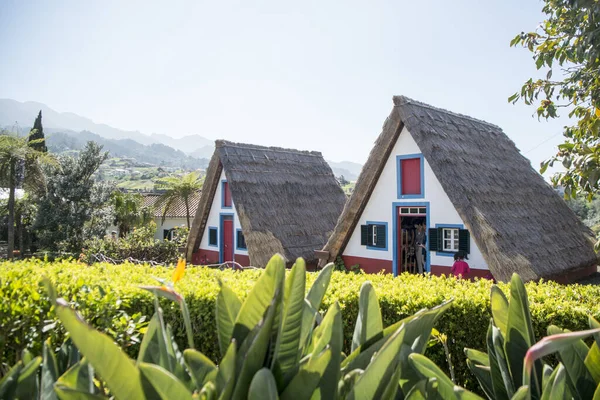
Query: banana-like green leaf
x=446 y=388
x=199 y=366
x=522 y=394
x=67 y=356
x=50 y=372
x=153 y=349
x=259 y=299
x=111 y=364
x=560 y=388
x=67 y=393
x=416 y=337
x=392 y=387
x=373 y=382
x=79 y=377
x=208 y=392
x=546 y=374
x=548 y=382
x=286 y=355
x=593 y=325
x=26 y=356
x=424 y=389
x=597 y=393
x=225 y=379
x=309 y=317
x=502 y=381
x=592 y=362
x=368 y=323
x=263 y=386
x=227 y=310
x=319 y=287
x=484 y=377
x=252 y=353
x=573 y=358
x=330 y=335
x=477 y=357
x=164 y=383
x=9 y=383
x=519 y=335
x=347 y=382
x=28 y=385
x=500 y=307
x=307 y=379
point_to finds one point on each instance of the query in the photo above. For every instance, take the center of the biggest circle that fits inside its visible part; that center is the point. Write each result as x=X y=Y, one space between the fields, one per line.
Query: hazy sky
x=316 y=75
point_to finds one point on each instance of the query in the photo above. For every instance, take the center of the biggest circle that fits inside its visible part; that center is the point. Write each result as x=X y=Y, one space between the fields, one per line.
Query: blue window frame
x=376 y=235
x=240 y=240
x=396 y=256
x=224 y=188
x=213 y=236
x=399 y=176
x=453 y=227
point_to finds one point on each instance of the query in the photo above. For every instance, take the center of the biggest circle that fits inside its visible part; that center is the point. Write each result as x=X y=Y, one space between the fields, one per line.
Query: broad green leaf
x=307 y=379
x=263 y=386
x=111 y=364
x=164 y=383
x=519 y=333
x=261 y=295
x=573 y=358
x=372 y=383
x=330 y=335
x=26 y=357
x=319 y=287
x=309 y=317
x=522 y=393
x=502 y=380
x=50 y=373
x=67 y=393
x=286 y=355
x=548 y=382
x=417 y=336
x=368 y=323
x=79 y=377
x=484 y=377
x=153 y=348
x=392 y=387
x=499 y=305
x=67 y=356
x=546 y=374
x=424 y=389
x=208 y=392
x=8 y=384
x=227 y=310
x=253 y=352
x=593 y=325
x=559 y=389
x=446 y=387
x=225 y=379
x=477 y=357
x=199 y=366
x=592 y=362
x=347 y=382
x=28 y=385
x=163 y=291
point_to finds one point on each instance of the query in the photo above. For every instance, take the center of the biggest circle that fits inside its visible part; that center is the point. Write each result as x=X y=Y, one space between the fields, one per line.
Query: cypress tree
x=37 y=133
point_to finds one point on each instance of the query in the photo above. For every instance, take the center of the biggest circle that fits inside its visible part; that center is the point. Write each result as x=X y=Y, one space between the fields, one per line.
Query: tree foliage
x=37 y=140
x=178 y=188
x=130 y=211
x=566 y=46
x=76 y=207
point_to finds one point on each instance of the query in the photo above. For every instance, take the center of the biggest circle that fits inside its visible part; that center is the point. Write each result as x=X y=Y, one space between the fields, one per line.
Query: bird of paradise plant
x=167 y=290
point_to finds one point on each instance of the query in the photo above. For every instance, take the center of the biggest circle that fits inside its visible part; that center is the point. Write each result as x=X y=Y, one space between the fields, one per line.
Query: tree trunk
x=20 y=235
x=187 y=211
x=11 y=212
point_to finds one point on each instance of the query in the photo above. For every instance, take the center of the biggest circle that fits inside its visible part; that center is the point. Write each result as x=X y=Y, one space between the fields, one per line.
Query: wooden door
x=227 y=240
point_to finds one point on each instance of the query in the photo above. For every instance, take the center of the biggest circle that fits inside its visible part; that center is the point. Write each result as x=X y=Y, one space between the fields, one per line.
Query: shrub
x=108 y=297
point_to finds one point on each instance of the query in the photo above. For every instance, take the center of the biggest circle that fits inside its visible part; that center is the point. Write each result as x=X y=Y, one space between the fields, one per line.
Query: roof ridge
x=400 y=99
x=225 y=143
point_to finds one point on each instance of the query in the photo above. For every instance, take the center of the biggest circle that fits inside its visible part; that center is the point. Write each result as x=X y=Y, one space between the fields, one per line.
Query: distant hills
x=68 y=131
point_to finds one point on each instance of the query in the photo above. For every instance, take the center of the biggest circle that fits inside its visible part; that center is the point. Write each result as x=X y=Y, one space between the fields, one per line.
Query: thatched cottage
x=465 y=181
x=258 y=201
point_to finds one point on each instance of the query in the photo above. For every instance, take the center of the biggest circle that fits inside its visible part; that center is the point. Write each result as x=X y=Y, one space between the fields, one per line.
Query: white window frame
x=453 y=239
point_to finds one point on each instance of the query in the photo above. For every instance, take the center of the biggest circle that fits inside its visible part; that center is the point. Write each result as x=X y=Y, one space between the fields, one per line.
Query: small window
x=240 y=240
x=167 y=234
x=450 y=238
x=410 y=177
x=212 y=236
x=404 y=210
x=374 y=235
x=226 y=193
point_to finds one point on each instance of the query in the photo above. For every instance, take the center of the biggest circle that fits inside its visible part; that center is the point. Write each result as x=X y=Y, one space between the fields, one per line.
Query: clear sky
x=316 y=75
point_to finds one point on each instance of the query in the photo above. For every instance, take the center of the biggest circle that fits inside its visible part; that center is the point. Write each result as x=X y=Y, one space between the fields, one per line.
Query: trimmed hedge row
x=108 y=297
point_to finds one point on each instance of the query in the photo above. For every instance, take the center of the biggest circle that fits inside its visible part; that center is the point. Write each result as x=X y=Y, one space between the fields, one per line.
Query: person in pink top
x=460 y=268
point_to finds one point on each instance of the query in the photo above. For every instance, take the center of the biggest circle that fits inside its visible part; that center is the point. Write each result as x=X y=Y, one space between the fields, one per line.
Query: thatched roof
x=177 y=208
x=288 y=201
x=517 y=220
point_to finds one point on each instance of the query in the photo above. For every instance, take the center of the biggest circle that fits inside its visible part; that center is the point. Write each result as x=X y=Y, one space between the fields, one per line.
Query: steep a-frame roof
x=288 y=201
x=517 y=220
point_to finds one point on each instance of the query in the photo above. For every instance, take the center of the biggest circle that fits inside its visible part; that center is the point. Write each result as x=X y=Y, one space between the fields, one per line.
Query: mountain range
x=69 y=131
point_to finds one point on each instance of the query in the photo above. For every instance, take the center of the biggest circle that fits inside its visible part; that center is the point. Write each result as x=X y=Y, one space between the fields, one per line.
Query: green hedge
x=108 y=297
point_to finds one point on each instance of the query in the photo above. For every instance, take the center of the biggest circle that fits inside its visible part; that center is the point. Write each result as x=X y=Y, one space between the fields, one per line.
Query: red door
x=227 y=240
